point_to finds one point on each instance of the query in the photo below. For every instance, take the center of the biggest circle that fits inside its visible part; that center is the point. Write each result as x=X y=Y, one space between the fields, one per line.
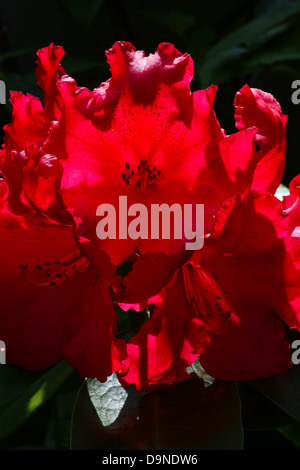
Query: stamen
x=143 y=175
x=55 y=273
x=285 y=212
x=202 y=291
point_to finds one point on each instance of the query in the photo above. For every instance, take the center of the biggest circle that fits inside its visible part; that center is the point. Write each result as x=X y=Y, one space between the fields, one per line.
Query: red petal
x=260 y=109
x=33 y=315
x=292 y=275
x=33 y=177
x=257 y=108
x=101 y=131
x=29 y=123
x=143 y=75
x=107 y=128
x=253 y=265
x=93 y=348
x=167 y=343
x=250 y=345
x=251 y=224
x=48 y=72
x=149 y=275
x=231 y=172
x=269 y=171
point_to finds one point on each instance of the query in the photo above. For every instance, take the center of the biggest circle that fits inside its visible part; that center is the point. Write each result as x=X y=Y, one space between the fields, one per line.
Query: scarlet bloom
x=142 y=134
x=242 y=289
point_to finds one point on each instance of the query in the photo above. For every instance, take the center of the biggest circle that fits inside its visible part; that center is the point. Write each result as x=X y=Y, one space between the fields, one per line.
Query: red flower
x=229 y=304
x=44 y=280
x=142 y=134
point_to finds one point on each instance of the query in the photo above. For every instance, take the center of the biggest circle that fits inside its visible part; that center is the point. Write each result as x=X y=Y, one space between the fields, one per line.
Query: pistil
x=285 y=212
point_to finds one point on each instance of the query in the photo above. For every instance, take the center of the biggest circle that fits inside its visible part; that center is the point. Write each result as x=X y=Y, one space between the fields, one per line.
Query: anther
x=141 y=174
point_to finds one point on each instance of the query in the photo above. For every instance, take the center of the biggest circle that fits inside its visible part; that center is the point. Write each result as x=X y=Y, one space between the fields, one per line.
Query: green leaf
x=82 y=11
x=282 y=48
x=23 y=83
x=22 y=393
x=260 y=25
x=223 y=66
x=185 y=415
x=244 y=40
x=62 y=435
x=177 y=21
x=259 y=413
x=292 y=433
x=12 y=54
x=81 y=64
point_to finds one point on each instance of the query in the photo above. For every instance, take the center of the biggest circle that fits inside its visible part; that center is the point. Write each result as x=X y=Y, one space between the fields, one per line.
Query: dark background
x=264 y=51
x=232 y=43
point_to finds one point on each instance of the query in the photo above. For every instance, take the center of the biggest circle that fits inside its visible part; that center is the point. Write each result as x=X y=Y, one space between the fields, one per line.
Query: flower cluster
x=143 y=134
